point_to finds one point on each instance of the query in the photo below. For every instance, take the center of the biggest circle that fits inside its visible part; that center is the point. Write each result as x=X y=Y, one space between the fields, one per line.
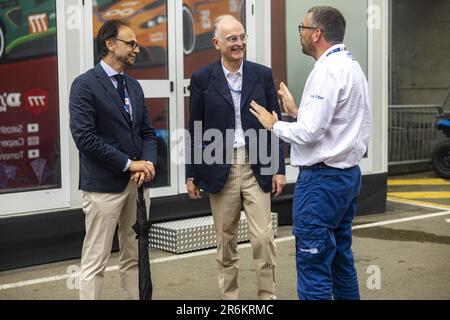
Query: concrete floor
x=411 y=257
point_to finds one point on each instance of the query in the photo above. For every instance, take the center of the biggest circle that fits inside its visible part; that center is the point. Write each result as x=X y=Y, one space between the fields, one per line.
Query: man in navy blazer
x=236 y=173
x=117 y=150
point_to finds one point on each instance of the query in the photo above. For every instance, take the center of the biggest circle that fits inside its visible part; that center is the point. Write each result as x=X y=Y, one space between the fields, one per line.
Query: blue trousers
x=324 y=206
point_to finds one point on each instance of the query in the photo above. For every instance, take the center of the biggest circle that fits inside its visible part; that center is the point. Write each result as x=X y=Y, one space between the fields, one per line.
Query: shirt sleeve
x=127 y=166
x=316 y=111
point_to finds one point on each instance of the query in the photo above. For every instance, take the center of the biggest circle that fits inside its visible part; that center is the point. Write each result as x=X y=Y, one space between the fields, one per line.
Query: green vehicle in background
x=27 y=29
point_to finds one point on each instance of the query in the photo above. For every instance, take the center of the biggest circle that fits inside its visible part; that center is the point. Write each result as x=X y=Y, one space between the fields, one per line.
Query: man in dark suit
x=117 y=150
x=219 y=103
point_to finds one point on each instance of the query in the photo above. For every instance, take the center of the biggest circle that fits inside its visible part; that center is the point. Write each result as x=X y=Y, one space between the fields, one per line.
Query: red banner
x=29 y=125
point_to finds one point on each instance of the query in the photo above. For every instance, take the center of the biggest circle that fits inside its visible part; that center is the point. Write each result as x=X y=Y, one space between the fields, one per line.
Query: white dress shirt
x=235 y=85
x=333 y=124
x=111 y=73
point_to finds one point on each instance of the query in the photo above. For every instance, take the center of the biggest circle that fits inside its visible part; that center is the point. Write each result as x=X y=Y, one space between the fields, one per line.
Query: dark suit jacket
x=103 y=132
x=211 y=104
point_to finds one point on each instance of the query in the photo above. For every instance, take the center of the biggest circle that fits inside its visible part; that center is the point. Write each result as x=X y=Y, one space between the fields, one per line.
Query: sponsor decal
x=38 y=23
x=312 y=250
x=36 y=101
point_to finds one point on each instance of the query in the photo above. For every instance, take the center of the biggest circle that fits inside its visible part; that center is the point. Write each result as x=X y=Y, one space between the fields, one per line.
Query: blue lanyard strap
x=335 y=50
x=233 y=90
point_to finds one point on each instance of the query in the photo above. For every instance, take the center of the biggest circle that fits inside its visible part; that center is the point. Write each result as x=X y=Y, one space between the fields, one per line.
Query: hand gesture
x=266 y=118
x=287 y=100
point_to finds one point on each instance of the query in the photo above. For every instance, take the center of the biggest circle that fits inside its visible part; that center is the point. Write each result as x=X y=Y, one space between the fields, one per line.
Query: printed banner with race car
x=29 y=111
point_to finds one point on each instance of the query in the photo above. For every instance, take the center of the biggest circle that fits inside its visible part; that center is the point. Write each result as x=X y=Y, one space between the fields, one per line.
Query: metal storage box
x=194 y=234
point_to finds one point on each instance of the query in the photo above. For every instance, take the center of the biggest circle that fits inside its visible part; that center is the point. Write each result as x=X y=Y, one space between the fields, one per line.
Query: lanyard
x=335 y=50
x=233 y=90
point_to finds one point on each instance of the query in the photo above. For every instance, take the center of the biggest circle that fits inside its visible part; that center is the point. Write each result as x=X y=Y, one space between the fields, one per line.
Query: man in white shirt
x=328 y=140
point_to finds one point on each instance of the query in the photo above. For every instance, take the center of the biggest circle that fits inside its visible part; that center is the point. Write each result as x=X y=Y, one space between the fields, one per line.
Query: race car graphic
x=27 y=29
x=148 y=19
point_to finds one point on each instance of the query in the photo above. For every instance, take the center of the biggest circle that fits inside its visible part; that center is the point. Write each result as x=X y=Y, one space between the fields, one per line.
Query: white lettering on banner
x=3 y=102
x=38 y=23
x=37 y=101
x=20 y=142
x=33 y=128
x=11 y=100
x=11 y=129
x=11 y=156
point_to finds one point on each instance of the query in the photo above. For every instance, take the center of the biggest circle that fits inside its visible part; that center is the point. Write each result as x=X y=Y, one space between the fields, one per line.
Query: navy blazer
x=212 y=105
x=103 y=132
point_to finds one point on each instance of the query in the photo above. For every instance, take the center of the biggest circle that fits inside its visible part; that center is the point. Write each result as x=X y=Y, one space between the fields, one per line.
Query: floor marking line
x=418 y=182
x=242 y=246
x=421 y=194
x=414 y=218
x=33 y=282
x=424 y=204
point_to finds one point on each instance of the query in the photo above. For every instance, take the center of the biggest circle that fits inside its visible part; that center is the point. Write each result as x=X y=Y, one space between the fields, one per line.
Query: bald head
x=222 y=21
x=230 y=40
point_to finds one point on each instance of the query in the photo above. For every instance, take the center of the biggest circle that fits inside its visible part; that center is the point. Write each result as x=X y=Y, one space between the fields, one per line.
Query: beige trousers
x=243 y=189
x=103 y=212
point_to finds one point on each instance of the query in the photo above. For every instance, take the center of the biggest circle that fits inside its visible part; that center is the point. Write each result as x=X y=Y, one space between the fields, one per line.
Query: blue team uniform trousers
x=324 y=205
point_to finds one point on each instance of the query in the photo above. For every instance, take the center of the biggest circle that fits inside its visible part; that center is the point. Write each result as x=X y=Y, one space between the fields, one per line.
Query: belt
x=320 y=165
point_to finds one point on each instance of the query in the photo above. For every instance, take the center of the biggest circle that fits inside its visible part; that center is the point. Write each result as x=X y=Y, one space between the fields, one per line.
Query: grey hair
x=331 y=21
x=221 y=19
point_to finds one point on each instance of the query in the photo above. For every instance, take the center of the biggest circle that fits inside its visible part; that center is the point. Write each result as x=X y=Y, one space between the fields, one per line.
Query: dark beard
x=128 y=61
x=306 y=50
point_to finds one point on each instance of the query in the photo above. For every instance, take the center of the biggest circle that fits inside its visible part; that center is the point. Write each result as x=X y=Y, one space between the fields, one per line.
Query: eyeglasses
x=235 y=39
x=301 y=27
x=133 y=44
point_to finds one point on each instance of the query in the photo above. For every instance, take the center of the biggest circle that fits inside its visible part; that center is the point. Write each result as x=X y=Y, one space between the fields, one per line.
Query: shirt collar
x=324 y=55
x=240 y=72
x=109 y=71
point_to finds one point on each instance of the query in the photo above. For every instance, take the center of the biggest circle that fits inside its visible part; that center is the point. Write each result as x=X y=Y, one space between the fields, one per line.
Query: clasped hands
x=142 y=171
